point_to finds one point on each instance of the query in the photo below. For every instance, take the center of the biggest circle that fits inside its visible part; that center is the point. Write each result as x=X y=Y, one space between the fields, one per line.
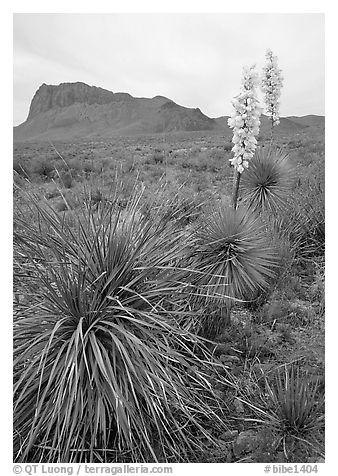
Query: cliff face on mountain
x=73 y=110
x=76 y=110
x=49 y=96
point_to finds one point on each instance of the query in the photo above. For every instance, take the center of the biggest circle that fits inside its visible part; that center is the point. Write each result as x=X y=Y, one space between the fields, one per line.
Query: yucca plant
x=297 y=407
x=102 y=371
x=292 y=405
x=267 y=183
x=302 y=222
x=233 y=258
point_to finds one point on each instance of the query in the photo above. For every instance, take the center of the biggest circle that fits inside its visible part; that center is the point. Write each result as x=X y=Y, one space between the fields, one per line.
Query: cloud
x=194 y=59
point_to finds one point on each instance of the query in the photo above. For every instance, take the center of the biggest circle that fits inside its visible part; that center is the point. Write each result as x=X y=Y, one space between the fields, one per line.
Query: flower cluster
x=245 y=120
x=271 y=85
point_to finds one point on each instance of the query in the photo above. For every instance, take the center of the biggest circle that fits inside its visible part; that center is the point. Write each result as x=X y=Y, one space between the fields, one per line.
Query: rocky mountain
x=73 y=110
x=76 y=110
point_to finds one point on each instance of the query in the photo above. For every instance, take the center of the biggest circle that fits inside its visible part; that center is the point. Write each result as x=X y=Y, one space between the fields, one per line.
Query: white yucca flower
x=272 y=83
x=245 y=120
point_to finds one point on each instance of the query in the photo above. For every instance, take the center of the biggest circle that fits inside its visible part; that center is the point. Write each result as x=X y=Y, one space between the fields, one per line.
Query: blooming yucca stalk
x=272 y=82
x=245 y=124
x=102 y=370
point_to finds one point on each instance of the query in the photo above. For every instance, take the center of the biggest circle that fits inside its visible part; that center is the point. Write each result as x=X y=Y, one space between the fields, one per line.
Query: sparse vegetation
x=83 y=332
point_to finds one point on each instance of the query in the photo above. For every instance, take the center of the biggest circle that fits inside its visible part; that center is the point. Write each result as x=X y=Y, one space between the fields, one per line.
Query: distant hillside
x=76 y=110
x=309 y=121
x=287 y=125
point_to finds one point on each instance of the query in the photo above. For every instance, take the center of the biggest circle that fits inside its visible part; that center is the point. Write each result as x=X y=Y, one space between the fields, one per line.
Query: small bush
x=43 y=167
x=228 y=147
x=297 y=408
x=158 y=156
x=303 y=225
x=66 y=179
x=293 y=405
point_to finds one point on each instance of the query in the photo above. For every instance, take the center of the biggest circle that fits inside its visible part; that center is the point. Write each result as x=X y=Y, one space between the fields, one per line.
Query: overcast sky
x=194 y=59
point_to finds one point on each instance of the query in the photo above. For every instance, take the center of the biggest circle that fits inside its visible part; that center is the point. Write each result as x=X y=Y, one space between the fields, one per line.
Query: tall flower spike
x=245 y=120
x=272 y=83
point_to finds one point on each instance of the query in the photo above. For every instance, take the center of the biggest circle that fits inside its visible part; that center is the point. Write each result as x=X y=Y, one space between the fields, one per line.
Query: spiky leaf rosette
x=298 y=407
x=232 y=254
x=102 y=371
x=293 y=405
x=267 y=183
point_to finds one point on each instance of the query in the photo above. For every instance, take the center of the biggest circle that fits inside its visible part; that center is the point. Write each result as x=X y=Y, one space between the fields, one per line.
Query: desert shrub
x=96 y=197
x=66 y=179
x=303 y=224
x=228 y=146
x=291 y=406
x=194 y=150
x=88 y=166
x=202 y=183
x=295 y=143
x=198 y=162
x=182 y=209
x=51 y=191
x=129 y=165
x=102 y=370
x=231 y=249
x=158 y=156
x=300 y=222
x=232 y=256
x=286 y=283
x=268 y=181
x=297 y=408
x=250 y=341
x=44 y=168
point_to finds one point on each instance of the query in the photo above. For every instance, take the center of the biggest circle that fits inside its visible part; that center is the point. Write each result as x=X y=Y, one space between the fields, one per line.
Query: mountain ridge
x=77 y=110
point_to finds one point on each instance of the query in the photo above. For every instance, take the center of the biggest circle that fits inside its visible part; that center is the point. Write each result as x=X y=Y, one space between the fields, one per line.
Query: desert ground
x=271 y=350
